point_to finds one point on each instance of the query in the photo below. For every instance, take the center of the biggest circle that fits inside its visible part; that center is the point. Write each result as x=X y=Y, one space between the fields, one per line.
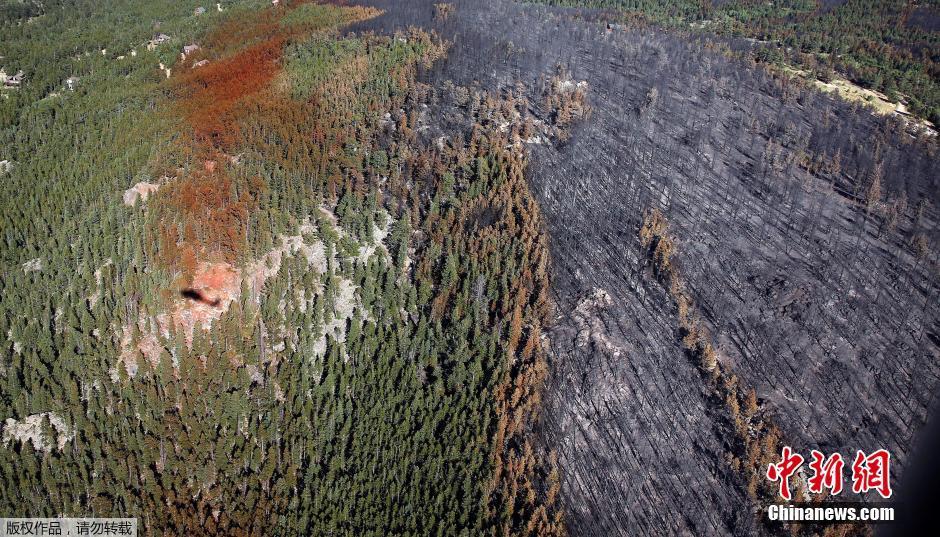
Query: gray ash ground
x=832 y=317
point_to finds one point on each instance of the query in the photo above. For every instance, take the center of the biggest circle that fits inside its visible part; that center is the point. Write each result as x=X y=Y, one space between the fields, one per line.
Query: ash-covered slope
x=819 y=291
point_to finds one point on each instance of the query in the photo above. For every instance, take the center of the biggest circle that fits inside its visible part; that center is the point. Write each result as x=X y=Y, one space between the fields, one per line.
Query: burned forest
x=801 y=226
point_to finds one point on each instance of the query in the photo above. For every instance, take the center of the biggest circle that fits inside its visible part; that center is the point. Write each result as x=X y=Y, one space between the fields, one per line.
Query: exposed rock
x=216 y=285
x=44 y=431
x=158 y=40
x=259 y=271
x=11 y=81
x=591 y=329
x=96 y=295
x=366 y=251
x=189 y=49
x=33 y=265
x=148 y=346
x=141 y=191
x=254 y=373
x=343 y=309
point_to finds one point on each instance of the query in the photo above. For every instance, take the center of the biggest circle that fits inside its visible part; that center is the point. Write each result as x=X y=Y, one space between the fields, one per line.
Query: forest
x=411 y=267
x=889 y=46
x=803 y=231
x=240 y=296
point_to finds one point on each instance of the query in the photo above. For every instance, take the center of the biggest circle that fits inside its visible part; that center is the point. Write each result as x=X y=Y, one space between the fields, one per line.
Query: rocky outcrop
x=45 y=431
x=141 y=191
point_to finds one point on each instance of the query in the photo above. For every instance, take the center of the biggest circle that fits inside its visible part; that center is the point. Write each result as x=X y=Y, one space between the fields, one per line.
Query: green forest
x=878 y=44
x=238 y=296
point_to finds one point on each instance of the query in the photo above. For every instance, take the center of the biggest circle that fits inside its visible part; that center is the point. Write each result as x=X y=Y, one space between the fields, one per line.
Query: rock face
x=44 y=431
x=818 y=294
x=141 y=191
x=215 y=286
x=33 y=265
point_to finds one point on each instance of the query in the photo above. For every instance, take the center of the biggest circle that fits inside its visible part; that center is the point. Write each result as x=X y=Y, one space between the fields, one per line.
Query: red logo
x=872 y=473
x=869 y=472
x=789 y=463
x=827 y=473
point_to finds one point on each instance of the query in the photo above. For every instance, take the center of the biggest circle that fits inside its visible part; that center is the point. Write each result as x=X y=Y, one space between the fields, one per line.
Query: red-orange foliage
x=212 y=97
x=214 y=100
x=213 y=217
x=231 y=103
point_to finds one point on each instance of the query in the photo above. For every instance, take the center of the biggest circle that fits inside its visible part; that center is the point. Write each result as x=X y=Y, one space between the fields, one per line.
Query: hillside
x=419 y=268
x=237 y=298
x=887 y=46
